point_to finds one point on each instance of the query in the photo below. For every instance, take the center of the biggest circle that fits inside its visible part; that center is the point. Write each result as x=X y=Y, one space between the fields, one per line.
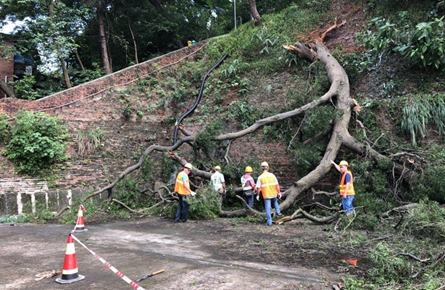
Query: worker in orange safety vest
x=268 y=187
x=182 y=188
x=347 y=191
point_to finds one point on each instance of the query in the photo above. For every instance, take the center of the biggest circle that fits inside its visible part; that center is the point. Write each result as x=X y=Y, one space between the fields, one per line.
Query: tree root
x=142 y=210
x=301 y=213
x=241 y=213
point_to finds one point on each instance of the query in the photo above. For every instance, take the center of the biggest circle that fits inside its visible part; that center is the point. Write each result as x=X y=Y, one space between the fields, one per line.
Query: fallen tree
x=338 y=95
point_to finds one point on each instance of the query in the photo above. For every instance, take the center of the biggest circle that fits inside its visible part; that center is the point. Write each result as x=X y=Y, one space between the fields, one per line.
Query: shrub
x=430 y=184
x=426 y=221
x=422 y=45
x=389 y=267
x=421 y=109
x=4 y=127
x=24 y=88
x=36 y=142
x=426 y=45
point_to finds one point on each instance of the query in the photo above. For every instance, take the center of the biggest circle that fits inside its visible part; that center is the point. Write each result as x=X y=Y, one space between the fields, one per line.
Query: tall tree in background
x=88 y=38
x=102 y=38
x=49 y=28
x=56 y=38
x=256 y=18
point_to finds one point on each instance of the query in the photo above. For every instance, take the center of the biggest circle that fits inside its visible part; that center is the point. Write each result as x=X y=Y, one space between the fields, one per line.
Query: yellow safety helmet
x=249 y=169
x=343 y=162
x=188 y=166
x=217 y=167
x=265 y=164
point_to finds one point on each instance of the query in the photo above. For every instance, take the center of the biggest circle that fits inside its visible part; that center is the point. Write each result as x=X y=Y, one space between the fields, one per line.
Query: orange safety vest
x=180 y=184
x=269 y=184
x=343 y=185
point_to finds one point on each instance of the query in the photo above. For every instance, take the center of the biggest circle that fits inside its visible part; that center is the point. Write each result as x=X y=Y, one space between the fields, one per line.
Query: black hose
x=175 y=135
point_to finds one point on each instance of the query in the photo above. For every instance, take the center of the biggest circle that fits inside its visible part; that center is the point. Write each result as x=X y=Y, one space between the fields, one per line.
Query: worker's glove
x=279 y=195
x=258 y=197
x=192 y=193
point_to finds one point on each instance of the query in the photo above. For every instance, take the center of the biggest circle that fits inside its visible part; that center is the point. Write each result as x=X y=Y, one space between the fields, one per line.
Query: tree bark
x=340 y=89
x=66 y=76
x=134 y=42
x=102 y=38
x=256 y=18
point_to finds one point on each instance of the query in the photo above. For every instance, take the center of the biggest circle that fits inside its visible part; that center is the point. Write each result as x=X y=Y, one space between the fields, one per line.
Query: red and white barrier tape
x=108 y=265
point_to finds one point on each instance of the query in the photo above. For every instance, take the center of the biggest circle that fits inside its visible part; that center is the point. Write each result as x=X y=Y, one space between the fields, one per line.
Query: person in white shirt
x=218 y=182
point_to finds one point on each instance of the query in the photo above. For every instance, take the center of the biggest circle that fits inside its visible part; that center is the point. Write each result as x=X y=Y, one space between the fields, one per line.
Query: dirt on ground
x=212 y=254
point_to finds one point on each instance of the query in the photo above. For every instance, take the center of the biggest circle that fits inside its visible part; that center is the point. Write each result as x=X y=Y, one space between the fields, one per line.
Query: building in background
x=6 y=64
x=12 y=64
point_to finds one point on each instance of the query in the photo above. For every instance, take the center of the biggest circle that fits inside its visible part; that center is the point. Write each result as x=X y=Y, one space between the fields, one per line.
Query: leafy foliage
x=423 y=45
x=242 y=112
x=389 y=267
x=14 y=219
x=418 y=111
x=24 y=88
x=89 y=140
x=37 y=142
x=306 y=157
x=429 y=184
x=5 y=128
x=426 y=221
x=204 y=205
x=129 y=193
x=426 y=45
x=205 y=141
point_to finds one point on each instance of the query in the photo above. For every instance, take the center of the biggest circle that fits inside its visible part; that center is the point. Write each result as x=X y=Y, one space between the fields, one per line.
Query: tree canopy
x=75 y=41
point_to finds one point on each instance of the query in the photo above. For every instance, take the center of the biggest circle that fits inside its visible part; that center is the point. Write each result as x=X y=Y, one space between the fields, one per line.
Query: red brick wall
x=96 y=105
x=6 y=69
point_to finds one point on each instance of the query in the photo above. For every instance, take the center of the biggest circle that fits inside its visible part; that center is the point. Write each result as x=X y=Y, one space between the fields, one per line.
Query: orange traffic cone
x=69 y=272
x=80 y=226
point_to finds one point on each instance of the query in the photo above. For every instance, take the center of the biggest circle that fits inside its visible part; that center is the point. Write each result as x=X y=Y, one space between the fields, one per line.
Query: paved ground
x=195 y=255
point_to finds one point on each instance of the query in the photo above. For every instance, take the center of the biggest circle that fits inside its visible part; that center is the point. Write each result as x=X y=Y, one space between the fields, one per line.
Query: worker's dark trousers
x=183 y=209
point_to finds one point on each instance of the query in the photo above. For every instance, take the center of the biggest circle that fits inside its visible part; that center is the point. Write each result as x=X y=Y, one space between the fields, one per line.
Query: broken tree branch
x=413 y=257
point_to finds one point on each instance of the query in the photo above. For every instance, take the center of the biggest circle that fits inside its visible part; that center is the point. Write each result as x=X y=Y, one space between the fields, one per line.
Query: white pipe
x=234 y=11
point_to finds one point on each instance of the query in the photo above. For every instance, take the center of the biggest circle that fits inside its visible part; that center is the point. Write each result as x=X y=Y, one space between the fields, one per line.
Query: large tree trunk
x=339 y=89
x=338 y=94
x=102 y=38
x=66 y=76
x=134 y=41
x=256 y=18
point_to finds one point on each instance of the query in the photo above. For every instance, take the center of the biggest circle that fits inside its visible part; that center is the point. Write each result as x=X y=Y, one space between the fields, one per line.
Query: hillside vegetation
x=389 y=52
